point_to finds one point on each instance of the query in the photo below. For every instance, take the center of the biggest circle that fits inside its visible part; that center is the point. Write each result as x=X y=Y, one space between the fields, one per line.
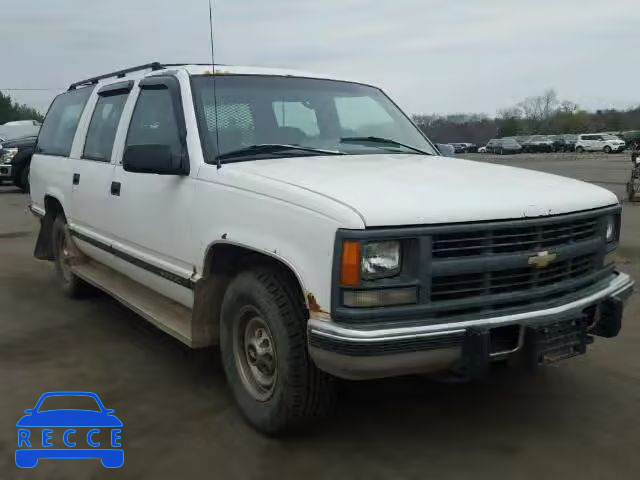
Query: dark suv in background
x=15 y=161
x=503 y=146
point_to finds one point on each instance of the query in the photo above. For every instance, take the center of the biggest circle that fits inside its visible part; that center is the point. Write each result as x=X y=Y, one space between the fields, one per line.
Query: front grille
x=510 y=239
x=457 y=287
x=487 y=269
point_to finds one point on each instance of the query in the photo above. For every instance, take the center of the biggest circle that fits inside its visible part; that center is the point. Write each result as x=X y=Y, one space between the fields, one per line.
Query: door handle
x=115 y=188
x=76 y=178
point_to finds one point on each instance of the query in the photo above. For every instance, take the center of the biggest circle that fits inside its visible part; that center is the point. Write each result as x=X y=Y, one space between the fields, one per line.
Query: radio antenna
x=213 y=72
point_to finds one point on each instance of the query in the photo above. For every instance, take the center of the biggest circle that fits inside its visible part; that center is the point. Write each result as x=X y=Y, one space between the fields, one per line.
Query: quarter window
x=103 y=127
x=154 y=121
x=59 y=128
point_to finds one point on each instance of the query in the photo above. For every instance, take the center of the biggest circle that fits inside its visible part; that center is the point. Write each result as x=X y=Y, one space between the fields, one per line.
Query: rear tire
x=71 y=285
x=579 y=150
x=264 y=353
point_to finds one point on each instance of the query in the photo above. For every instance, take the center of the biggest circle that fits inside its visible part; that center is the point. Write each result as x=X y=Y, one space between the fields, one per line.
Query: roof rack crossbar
x=117 y=73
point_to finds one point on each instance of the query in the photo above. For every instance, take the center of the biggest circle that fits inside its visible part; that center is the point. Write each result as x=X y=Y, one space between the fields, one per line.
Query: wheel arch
x=223 y=260
x=44 y=244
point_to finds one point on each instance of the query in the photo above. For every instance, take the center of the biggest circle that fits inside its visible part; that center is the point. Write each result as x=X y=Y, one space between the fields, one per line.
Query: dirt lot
x=578 y=419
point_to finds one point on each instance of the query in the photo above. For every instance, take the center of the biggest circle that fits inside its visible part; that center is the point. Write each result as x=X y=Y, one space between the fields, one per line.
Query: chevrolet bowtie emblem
x=542 y=259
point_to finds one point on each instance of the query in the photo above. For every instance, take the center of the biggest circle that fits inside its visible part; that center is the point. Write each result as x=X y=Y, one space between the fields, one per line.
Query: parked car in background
x=15 y=161
x=570 y=140
x=594 y=142
x=470 y=147
x=482 y=149
x=538 y=144
x=503 y=146
x=559 y=143
x=18 y=129
x=446 y=149
x=459 y=147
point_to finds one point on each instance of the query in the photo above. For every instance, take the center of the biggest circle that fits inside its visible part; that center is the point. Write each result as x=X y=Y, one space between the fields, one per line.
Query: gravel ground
x=576 y=419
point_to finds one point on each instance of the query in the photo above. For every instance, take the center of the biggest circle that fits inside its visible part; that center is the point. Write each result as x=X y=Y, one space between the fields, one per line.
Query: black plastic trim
x=172 y=84
x=385 y=347
x=117 y=73
x=423 y=271
x=116 y=88
x=172 y=277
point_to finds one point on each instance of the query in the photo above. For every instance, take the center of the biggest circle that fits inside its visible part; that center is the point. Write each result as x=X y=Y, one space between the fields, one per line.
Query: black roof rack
x=122 y=73
x=117 y=73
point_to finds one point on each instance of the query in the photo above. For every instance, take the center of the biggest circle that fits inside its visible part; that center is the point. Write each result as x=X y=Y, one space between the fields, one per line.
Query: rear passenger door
x=92 y=173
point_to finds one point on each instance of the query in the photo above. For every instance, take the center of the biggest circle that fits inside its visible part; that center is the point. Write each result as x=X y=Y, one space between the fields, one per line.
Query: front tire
x=606 y=149
x=264 y=353
x=71 y=285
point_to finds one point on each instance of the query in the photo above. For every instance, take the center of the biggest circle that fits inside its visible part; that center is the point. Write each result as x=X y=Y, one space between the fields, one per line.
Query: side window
x=103 y=127
x=296 y=118
x=59 y=128
x=154 y=121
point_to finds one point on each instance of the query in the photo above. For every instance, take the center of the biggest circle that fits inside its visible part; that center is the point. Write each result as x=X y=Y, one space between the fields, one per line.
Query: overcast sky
x=432 y=56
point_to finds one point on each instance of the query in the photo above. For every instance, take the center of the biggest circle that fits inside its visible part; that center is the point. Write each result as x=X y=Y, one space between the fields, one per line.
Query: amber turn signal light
x=350 y=264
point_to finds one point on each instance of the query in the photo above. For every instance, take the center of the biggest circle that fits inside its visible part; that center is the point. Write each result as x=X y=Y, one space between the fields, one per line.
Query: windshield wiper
x=267 y=148
x=387 y=141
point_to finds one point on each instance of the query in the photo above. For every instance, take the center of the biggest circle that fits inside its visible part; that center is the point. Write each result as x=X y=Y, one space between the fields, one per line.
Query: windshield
x=316 y=114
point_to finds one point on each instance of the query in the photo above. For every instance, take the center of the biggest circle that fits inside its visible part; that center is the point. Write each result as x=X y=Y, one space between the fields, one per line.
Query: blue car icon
x=35 y=432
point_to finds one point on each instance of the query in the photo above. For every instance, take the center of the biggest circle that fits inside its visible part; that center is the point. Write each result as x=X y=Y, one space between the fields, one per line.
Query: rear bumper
x=356 y=352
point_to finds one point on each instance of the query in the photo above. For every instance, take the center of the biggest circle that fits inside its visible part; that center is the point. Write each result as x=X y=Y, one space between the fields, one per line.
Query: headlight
x=612 y=227
x=380 y=259
x=8 y=154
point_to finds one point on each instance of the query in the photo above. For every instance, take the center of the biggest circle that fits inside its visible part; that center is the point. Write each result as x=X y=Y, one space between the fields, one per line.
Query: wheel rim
x=255 y=354
x=64 y=258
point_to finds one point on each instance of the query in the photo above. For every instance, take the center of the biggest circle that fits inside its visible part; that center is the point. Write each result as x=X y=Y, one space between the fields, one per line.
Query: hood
x=388 y=190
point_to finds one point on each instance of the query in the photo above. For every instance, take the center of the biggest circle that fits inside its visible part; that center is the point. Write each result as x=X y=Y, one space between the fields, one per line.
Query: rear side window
x=103 y=126
x=154 y=121
x=59 y=128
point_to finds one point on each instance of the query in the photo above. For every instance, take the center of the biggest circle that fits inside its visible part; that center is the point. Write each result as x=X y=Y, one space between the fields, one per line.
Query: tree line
x=540 y=114
x=11 y=110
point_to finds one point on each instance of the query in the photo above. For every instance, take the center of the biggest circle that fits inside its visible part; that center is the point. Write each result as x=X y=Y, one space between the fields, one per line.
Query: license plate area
x=554 y=341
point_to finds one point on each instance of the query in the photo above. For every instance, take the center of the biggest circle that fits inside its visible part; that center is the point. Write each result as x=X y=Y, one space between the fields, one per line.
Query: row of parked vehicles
x=592 y=142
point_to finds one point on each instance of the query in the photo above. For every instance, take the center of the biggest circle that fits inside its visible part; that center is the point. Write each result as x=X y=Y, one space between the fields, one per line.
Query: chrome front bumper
x=355 y=352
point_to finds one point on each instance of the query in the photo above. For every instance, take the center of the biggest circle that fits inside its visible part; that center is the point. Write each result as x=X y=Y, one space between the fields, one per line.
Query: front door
x=152 y=221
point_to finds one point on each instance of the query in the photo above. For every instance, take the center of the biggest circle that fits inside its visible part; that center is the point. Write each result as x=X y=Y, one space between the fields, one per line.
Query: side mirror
x=156 y=159
x=29 y=410
x=109 y=411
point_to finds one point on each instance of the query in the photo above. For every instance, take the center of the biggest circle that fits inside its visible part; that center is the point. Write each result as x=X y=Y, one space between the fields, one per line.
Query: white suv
x=597 y=142
x=307 y=227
